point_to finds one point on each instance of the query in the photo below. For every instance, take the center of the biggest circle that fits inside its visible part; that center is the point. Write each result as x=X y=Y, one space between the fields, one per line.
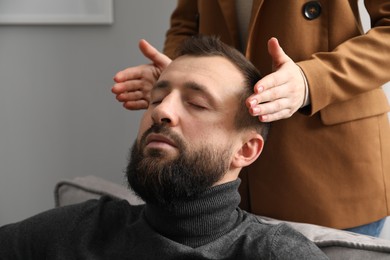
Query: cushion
x=337 y=244
x=80 y=189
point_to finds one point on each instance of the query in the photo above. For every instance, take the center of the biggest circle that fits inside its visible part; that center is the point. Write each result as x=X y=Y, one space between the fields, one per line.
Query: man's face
x=187 y=135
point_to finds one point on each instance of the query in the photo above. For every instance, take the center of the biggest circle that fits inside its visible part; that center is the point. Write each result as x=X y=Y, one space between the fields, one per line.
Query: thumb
x=279 y=57
x=159 y=59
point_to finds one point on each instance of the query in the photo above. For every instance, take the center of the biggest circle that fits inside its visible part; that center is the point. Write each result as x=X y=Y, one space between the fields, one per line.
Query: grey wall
x=58 y=118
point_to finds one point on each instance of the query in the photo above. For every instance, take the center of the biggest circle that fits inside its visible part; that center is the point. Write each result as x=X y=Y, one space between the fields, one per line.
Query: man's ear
x=249 y=151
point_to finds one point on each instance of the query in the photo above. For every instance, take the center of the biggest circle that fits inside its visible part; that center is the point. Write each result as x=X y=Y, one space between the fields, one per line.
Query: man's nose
x=166 y=112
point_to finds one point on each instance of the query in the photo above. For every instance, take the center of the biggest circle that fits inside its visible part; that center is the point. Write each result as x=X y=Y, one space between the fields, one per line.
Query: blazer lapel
x=255 y=10
x=229 y=12
x=254 y=16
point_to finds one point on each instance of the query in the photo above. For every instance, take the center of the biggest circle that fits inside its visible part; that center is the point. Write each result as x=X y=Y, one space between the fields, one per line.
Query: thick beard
x=161 y=181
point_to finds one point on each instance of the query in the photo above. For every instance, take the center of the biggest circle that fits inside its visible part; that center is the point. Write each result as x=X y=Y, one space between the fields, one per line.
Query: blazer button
x=311 y=10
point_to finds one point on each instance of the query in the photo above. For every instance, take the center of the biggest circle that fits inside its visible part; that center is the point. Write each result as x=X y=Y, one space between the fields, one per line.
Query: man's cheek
x=144 y=126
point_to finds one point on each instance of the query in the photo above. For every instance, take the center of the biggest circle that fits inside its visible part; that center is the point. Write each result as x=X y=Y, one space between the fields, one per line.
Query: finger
x=270 y=107
x=273 y=94
x=279 y=57
x=130 y=96
x=275 y=116
x=127 y=86
x=158 y=58
x=118 y=88
x=269 y=88
x=136 y=105
x=130 y=73
x=272 y=80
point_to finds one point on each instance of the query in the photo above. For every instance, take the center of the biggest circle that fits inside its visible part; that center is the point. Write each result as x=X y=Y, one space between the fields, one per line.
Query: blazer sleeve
x=350 y=77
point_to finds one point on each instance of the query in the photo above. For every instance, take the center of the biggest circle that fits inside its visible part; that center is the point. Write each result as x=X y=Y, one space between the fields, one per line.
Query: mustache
x=164 y=130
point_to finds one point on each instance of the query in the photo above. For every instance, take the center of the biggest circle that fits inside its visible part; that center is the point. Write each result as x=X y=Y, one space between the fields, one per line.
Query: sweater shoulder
x=73 y=215
x=64 y=227
x=276 y=241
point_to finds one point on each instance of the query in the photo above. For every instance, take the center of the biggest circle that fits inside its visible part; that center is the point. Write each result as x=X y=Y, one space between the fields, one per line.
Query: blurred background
x=58 y=117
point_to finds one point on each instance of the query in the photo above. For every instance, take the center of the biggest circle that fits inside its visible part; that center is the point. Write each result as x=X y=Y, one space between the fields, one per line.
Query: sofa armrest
x=79 y=189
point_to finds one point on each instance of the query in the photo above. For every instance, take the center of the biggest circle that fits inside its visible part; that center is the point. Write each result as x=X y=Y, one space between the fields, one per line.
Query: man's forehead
x=208 y=72
x=203 y=61
x=192 y=86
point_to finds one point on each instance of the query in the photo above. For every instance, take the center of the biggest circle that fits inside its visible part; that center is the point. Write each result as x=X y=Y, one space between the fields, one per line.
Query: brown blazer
x=328 y=164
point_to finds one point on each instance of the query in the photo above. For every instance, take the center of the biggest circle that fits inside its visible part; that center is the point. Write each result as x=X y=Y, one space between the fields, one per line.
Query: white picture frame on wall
x=56 y=12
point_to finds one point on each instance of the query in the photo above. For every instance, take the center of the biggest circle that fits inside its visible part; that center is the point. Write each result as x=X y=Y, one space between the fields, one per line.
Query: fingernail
x=253 y=102
x=255 y=110
x=260 y=88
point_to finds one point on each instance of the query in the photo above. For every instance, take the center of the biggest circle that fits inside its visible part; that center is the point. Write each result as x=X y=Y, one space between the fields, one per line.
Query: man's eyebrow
x=195 y=86
x=201 y=89
x=161 y=85
x=190 y=85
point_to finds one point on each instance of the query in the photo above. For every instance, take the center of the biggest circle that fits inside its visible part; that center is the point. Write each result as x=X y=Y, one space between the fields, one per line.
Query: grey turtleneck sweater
x=210 y=226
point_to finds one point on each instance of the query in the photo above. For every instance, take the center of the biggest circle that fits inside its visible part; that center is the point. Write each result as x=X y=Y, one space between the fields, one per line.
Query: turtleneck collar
x=197 y=221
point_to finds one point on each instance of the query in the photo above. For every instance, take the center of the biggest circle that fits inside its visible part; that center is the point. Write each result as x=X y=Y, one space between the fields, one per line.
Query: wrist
x=306 y=98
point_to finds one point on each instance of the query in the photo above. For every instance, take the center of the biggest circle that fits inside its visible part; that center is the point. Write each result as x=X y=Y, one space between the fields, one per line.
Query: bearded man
x=193 y=140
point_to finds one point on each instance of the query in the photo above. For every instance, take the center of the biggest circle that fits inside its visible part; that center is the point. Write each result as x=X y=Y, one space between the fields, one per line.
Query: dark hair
x=206 y=46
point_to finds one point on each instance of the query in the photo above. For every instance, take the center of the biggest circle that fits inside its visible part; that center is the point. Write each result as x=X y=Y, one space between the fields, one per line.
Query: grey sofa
x=336 y=244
